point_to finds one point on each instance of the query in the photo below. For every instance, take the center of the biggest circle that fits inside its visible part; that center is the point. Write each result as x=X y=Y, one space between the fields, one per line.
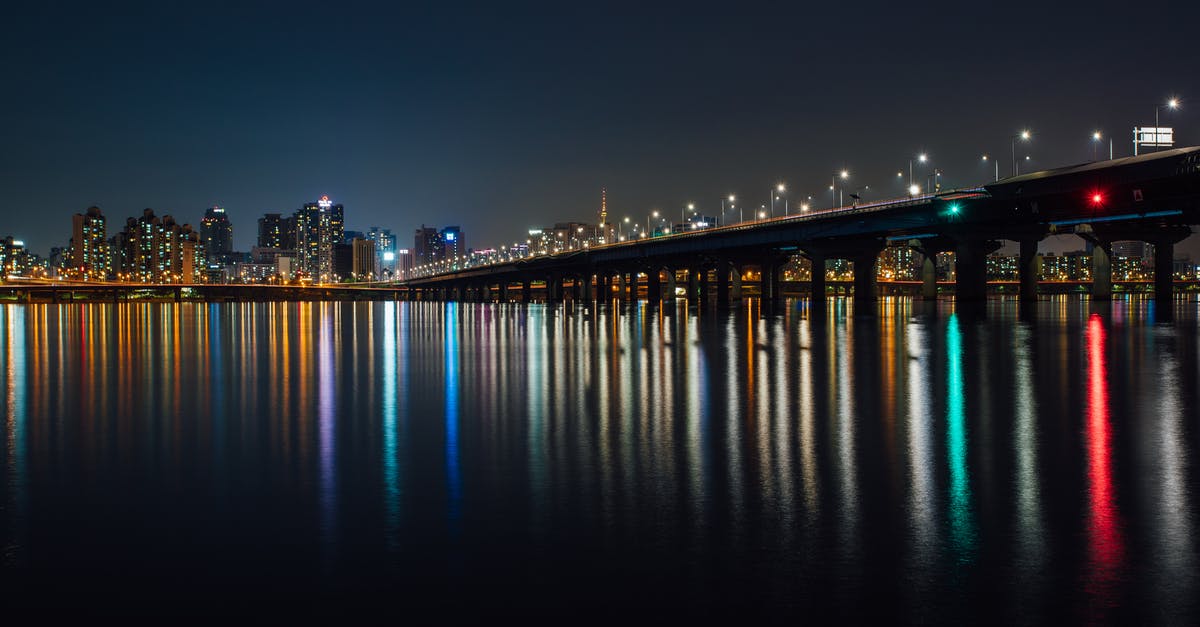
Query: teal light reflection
x=453 y=475
x=962 y=526
x=391 y=470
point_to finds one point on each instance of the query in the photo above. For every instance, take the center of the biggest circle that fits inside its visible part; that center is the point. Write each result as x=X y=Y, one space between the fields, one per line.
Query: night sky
x=502 y=118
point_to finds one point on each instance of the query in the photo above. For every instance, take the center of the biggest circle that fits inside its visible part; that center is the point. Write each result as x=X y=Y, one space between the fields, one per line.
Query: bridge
x=1152 y=198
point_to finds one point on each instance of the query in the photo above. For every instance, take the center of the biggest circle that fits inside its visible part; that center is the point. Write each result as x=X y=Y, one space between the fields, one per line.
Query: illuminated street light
x=1024 y=135
x=730 y=199
x=996 y=164
x=1172 y=103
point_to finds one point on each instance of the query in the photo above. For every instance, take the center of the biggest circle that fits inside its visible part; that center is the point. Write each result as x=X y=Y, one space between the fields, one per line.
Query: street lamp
x=691 y=206
x=1173 y=103
x=996 y=163
x=652 y=214
x=621 y=228
x=838 y=194
x=780 y=188
x=730 y=199
x=1024 y=135
x=922 y=158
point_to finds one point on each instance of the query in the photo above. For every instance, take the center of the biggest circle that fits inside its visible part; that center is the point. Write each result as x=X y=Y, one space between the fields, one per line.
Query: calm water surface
x=922 y=465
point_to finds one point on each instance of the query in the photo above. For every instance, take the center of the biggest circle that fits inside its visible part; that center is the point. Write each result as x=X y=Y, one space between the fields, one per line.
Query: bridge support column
x=723 y=276
x=693 y=284
x=589 y=288
x=669 y=293
x=970 y=258
x=1101 y=270
x=605 y=287
x=929 y=285
x=1164 y=272
x=703 y=280
x=866 y=291
x=623 y=286
x=768 y=279
x=502 y=291
x=553 y=289
x=526 y=291
x=735 y=282
x=653 y=286
x=817 y=279
x=1029 y=270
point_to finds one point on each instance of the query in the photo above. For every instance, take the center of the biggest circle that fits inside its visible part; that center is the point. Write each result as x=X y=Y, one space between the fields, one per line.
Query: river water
x=918 y=465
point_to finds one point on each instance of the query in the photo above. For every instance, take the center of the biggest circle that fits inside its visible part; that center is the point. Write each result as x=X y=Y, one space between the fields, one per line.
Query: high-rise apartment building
x=428 y=246
x=319 y=228
x=455 y=245
x=217 y=232
x=270 y=231
x=363 y=262
x=89 y=257
x=159 y=250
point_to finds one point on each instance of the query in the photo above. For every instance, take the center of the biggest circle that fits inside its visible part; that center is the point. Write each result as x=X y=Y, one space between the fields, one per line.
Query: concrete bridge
x=1152 y=198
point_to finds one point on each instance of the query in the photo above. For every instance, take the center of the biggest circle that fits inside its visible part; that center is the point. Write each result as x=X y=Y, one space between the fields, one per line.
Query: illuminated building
x=319 y=228
x=402 y=264
x=270 y=231
x=428 y=246
x=14 y=260
x=385 y=250
x=899 y=263
x=217 y=233
x=363 y=259
x=159 y=250
x=455 y=245
x=89 y=249
x=1002 y=268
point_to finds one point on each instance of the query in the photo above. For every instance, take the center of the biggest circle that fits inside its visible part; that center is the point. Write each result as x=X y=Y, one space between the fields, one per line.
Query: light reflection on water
x=922 y=465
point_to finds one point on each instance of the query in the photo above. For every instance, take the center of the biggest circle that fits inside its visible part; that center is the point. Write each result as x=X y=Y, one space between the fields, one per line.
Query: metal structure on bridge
x=1152 y=198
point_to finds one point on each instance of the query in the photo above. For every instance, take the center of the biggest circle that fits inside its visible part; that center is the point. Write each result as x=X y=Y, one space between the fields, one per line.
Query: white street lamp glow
x=845 y=174
x=913 y=190
x=1096 y=135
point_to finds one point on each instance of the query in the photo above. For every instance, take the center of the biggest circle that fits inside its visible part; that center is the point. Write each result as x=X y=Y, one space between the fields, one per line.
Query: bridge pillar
x=502 y=291
x=553 y=289
x=623 y=286
x=929 y=285
x=669 y=293
x=817 y=287
x=723 y=276
x=1164 y=272
x=735 y=282
x=1101 y=270
x=866 y=291
x=526 y=290
x=768 y=277
x=970 y=258
x=589 y=288
x=1029 y=270
x=653 y=286
x=1164 y=263
x=703 y=280
x=693 y=284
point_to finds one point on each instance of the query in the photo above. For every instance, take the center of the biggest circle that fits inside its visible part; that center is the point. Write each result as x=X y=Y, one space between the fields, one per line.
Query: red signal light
x=1097 y=198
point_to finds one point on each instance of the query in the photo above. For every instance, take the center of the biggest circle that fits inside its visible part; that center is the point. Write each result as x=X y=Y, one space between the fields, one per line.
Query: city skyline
x=393 y=123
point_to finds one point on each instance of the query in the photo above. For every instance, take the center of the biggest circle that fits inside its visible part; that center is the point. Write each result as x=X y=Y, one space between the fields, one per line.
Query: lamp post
x=1173 y=103
x=621 y=228
x=838 y=193
x=1023 y=135
x=730 y=199
x=652 y=214
x=996 y=163
x=780 y=188
x=922 y=158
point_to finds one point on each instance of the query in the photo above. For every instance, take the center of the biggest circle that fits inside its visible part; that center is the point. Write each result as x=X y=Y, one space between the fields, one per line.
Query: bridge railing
x=852 y=209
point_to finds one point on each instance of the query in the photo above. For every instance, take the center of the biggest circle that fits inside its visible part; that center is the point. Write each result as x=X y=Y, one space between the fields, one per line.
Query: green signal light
x=954 y=209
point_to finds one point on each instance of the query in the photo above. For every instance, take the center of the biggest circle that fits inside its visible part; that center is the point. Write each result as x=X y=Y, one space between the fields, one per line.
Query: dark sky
x=506 y=117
